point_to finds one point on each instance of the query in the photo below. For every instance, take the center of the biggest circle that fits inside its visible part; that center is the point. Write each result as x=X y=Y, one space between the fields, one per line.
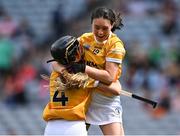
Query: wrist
x=96 y=83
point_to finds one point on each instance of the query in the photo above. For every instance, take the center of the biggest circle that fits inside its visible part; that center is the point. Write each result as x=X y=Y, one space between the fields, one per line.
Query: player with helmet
x=69 y=92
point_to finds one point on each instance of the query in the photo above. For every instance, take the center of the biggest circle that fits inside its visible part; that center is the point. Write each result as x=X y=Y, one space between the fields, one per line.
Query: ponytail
x=118 y=22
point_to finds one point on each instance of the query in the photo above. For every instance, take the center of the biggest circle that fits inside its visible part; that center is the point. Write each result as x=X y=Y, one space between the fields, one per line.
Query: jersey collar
x=103 y=41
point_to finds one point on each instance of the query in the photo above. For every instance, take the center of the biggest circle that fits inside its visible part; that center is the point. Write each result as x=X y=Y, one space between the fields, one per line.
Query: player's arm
x=101 y=75
x=112 y=69
x=113 y=88
x=106 y=76
x=114 y=58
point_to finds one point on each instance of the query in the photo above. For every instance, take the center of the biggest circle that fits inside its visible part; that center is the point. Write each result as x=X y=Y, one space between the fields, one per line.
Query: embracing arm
x=98 y=74
x=106 y=76
x=114 y=88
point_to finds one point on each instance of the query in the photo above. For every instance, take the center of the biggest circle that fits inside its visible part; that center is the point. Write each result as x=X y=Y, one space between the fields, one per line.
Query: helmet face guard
x=72 y=52
x=66 y=50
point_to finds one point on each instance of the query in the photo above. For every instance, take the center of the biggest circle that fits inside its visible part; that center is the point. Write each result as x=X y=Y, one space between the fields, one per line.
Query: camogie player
x=66 y=109
x=104 y=53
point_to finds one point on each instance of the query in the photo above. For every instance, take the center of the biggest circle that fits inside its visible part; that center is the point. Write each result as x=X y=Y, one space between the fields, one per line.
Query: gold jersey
x=68 y=104
x=96 y=54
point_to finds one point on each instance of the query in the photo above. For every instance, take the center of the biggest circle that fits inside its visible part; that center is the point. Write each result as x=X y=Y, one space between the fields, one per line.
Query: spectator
x=169 y=12
x=6 y=55
x=7 y=25
x=59 y=26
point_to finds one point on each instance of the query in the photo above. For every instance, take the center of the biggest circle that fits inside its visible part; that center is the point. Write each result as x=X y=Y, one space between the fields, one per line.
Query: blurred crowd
x=151 y=66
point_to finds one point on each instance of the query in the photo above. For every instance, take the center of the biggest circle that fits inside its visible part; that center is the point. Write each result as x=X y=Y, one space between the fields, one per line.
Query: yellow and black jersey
x=97 y=54
x=68 y=104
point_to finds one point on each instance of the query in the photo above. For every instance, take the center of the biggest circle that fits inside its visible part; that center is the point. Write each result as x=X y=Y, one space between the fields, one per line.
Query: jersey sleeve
x=82 y=38
x=91 y=83
x=116 y=53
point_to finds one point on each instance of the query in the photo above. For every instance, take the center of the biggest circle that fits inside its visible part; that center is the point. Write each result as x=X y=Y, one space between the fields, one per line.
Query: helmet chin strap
x=80 y=54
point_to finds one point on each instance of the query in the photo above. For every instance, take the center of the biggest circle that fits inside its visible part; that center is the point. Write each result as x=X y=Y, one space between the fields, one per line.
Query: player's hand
x=76 y=67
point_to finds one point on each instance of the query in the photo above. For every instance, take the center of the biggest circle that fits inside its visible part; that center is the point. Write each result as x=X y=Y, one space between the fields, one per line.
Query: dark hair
x=108 y=14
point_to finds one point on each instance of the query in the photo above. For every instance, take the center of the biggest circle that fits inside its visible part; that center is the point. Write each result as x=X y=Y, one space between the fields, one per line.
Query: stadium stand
x=151 y=66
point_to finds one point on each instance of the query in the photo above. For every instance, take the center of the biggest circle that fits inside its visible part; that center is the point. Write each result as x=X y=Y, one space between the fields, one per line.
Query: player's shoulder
x=115 y=39
x=87 y=36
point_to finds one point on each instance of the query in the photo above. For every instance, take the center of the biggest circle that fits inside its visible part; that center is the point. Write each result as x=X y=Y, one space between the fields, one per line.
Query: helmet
x=66 y=50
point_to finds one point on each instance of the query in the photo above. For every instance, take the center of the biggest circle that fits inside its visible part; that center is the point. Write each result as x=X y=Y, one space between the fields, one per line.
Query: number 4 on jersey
x=63 y=99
